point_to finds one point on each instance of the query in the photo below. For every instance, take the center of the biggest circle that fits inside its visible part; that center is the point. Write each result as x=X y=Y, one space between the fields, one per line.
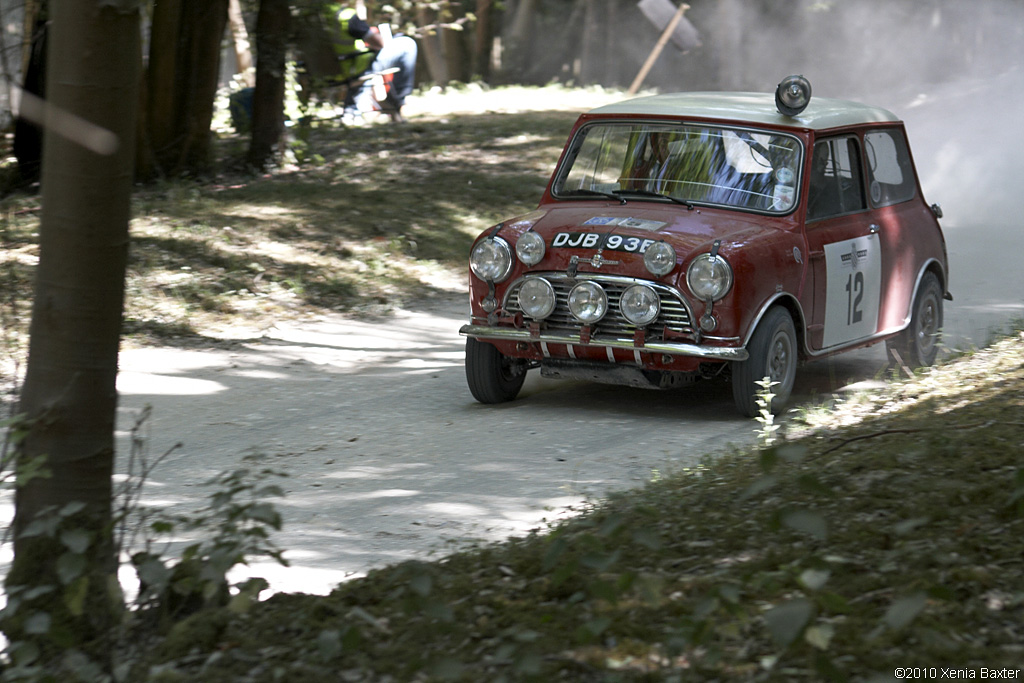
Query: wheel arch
x=934 y=267
x=796 y=312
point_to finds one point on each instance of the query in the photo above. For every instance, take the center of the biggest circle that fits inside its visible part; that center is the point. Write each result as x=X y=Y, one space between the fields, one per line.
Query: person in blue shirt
x=363 y=51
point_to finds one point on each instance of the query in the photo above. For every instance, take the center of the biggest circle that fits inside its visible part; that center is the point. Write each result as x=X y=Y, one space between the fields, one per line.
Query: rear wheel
x=773 y=354
x=492 y=377
x=918 y=345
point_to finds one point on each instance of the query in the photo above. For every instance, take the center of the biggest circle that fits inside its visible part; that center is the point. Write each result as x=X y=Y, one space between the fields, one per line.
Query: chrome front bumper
x=672 y=348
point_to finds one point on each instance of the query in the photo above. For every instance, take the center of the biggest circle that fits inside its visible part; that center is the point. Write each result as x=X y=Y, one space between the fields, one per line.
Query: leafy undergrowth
x=894 y=540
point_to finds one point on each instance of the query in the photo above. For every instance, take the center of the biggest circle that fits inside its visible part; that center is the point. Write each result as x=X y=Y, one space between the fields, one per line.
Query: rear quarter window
x=890 y=174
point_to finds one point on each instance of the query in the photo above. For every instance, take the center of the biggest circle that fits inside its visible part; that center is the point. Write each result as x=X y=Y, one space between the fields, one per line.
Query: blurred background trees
x=190 y=49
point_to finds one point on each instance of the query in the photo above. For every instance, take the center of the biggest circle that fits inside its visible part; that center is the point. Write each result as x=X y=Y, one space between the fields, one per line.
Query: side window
x=890 y=172
x=835 y=184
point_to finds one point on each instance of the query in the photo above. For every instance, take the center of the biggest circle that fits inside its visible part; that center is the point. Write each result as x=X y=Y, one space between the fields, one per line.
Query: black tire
x=773 y=353
x=918 y=345
x=492 y=377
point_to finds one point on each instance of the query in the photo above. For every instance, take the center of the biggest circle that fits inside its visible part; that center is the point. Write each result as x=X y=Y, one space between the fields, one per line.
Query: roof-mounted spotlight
x=792 y=95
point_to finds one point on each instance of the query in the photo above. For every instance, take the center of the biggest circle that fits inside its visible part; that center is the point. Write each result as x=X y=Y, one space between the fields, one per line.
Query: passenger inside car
x=835 y=186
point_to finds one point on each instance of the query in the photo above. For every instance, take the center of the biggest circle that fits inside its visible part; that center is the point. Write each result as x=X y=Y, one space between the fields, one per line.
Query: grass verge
x=841 y=554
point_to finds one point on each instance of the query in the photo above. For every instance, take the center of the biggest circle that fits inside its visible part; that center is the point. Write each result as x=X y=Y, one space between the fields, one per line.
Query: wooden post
x=657 y=49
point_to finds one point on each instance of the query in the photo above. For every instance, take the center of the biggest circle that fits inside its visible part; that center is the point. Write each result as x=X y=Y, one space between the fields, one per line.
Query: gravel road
x=388 y=455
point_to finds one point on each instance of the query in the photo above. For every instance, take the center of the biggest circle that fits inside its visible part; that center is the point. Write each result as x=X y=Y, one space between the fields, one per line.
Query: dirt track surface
x=388 y=455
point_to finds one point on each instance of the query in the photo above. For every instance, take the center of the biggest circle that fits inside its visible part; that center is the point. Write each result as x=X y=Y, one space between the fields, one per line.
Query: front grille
x=674 y=313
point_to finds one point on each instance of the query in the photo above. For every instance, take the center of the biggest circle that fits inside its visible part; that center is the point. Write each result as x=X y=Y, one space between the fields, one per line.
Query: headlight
x=537 y=298
x=709 y=277
x=491 y=259
x=588 y=302
x=530 y=248
x=660 y=258
x=640 y=305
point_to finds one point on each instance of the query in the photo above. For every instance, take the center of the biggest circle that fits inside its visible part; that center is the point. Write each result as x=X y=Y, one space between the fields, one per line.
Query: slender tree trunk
x=519 y=48
x=243 y=55
x=268 y=98
x=430 y=41
x=34 y=11
x=728 y=41
x=453 y=49
x=594 y=47
x=483 y=39
x=611 y=27
x=69 y=398
x=28 y=135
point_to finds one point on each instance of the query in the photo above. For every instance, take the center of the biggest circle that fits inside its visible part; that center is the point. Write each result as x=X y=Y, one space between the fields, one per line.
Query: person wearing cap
x=362 y=51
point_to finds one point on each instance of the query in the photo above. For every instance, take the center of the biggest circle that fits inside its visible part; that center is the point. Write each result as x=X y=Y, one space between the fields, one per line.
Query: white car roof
x=742 y=107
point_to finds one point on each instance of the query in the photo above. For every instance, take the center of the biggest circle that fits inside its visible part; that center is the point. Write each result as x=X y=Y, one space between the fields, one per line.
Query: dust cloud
x=953 y=71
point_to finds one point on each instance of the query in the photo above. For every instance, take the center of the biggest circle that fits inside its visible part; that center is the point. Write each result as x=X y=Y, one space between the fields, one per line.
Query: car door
x=845 y=250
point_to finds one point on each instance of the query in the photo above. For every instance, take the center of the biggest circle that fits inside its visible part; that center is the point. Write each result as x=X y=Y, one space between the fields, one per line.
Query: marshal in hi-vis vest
x=353 y=56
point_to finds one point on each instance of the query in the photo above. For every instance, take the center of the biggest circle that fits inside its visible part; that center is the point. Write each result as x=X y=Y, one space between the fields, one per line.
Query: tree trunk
x=268 y=98
x=243 y=55
x=594 y=46
x=181 y=85
x=453 y=48
x=563 y=62
x=519 y=49
x=69 y=398
x=160 y=114
x=34 y=12
x=430 y=41
x=728 y=41
x=612 y=65
x=28 y=135
x=483 y=39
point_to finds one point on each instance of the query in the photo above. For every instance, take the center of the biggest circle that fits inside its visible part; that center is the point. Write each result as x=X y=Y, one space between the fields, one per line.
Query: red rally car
x=695 y=235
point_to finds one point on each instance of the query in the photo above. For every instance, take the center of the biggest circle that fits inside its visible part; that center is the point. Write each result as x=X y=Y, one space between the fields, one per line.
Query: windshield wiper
x=596 y=193
x=650 y=193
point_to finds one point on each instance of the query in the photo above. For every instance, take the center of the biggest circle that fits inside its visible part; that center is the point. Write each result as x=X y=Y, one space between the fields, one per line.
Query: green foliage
x=766 y=434
x=42 y=615
x=233 y=528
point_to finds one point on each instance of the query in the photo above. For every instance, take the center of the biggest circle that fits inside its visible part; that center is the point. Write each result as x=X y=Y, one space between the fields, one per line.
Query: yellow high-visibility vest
x=353 y=56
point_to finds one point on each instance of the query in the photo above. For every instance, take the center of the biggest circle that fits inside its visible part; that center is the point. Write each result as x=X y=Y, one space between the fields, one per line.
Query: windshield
x=734 y=167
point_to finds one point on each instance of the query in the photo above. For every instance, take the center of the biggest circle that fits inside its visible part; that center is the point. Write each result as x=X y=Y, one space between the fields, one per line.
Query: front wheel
x=492 y=377
x=773 y=354
x=917 y=346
